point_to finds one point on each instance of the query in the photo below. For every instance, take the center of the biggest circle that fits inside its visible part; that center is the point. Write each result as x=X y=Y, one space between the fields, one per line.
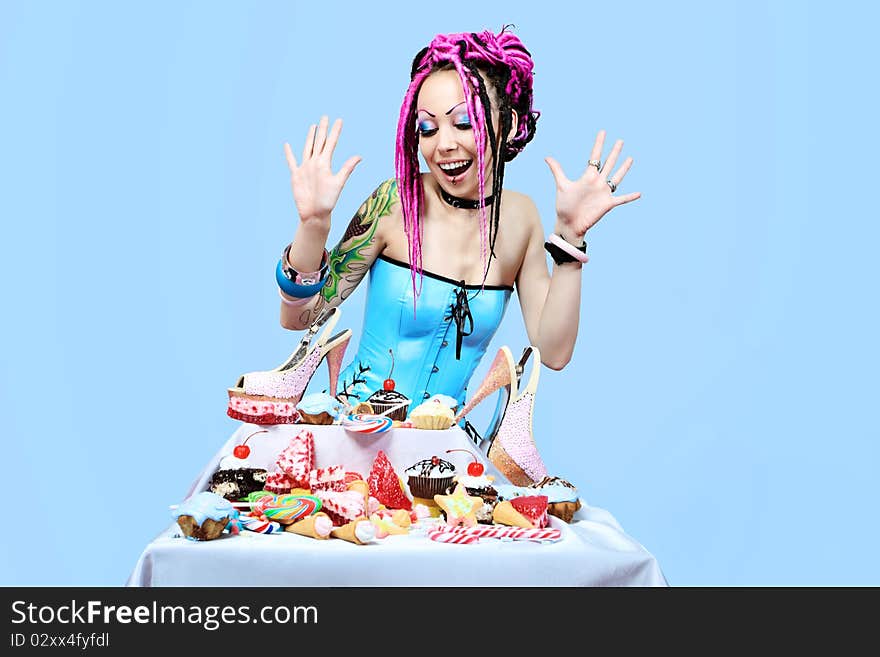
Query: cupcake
x=562 y=497
x=204 y=516
x=446 y=400
x=428 y=478
x=432 y=415
x=319 y=408
x=385 y=399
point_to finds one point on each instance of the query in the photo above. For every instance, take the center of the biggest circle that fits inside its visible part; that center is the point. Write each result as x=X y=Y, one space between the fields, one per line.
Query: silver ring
x=595 y=163
x=612 y=186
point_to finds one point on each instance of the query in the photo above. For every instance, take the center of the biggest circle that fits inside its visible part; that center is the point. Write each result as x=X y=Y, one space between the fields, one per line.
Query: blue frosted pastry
x=204 y=516
x=319 y=408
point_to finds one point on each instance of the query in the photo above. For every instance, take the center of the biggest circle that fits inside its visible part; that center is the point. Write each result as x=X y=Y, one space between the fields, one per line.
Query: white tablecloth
x=594 y=550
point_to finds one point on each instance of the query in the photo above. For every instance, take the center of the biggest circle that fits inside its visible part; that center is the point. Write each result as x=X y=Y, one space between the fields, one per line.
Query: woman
x=446 y=248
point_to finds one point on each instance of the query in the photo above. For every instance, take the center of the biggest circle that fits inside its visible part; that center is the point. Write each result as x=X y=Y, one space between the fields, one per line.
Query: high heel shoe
x=271 y=397
x=511 y=445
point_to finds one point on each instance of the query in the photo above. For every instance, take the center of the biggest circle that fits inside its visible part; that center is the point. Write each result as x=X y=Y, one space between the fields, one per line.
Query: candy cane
x=453 y=537
x=501 y=531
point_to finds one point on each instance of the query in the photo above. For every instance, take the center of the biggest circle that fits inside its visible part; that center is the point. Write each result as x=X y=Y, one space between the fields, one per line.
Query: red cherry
x=435 y=460
x=243 y=451
x=475 y=468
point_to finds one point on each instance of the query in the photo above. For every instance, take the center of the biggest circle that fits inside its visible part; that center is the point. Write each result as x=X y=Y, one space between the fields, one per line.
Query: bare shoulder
x=520 y=213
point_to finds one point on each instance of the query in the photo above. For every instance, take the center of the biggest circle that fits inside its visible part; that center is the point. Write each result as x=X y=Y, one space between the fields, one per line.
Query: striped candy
x=453 y=537
x=259 y=526
x=366 y=423
x=287 y=508
x=501 y=531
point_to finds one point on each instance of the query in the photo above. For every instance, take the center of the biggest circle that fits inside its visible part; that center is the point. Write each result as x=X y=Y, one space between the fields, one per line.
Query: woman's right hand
x=315 y=187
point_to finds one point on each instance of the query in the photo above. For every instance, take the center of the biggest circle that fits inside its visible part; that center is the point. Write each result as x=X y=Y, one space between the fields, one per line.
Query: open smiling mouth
x=455 y=169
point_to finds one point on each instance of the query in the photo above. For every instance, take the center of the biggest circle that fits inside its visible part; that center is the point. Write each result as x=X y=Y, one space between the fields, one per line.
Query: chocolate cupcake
x=382 y=400
x=387 y=398
x=430 y=477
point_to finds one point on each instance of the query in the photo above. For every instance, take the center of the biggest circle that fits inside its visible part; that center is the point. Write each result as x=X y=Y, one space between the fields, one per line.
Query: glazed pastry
x=204 y=516
x=431 y=415
x=319 y=408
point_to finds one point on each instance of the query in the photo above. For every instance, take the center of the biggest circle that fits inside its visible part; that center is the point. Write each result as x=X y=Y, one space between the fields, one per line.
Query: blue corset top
x=437 y=349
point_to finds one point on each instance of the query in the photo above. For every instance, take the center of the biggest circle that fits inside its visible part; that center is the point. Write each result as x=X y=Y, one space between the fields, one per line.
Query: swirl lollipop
x=366 y=423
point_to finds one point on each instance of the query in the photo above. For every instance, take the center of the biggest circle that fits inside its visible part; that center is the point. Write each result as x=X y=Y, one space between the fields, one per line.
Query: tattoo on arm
x=349 y=260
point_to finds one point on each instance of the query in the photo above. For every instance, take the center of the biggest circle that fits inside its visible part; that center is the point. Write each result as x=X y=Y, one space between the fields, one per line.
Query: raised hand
x=581 y=203
x=315 y=187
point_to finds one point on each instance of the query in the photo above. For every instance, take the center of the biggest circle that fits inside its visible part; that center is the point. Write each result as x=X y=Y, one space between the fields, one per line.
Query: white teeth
x=449 y=166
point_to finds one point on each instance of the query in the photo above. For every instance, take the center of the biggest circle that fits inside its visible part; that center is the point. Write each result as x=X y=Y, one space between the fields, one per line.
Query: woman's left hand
x=581 y=203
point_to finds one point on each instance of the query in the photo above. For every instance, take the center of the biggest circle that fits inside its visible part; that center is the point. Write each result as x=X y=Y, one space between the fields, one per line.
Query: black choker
x=464 y=203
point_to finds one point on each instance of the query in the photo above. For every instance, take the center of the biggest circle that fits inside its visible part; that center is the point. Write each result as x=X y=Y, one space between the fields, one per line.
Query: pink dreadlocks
x=503 y=59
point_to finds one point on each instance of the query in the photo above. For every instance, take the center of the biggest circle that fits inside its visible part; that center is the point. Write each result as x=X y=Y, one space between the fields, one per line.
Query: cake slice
x=297 y=460
x=342 y=506
x=329 y=478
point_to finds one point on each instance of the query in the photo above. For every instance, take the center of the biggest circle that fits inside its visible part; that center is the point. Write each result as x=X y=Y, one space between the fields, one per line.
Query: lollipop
x=287 y=509
x=365 y=423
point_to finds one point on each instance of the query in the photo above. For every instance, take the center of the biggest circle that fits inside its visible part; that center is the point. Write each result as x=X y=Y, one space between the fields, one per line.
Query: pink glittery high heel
x=511 y=443
x=271 y=397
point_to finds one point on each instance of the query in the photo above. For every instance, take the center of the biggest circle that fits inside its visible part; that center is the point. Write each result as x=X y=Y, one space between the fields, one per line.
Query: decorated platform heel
x=511 y=445
x=271 y=397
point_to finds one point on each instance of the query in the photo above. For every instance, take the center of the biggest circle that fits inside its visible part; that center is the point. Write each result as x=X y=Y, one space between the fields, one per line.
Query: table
x=594 y=550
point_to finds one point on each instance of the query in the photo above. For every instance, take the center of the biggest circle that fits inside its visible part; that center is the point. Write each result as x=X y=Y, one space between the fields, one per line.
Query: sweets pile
x=334 y=502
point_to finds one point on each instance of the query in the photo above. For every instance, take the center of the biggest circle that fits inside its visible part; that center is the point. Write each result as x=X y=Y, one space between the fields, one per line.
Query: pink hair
x=465 y=52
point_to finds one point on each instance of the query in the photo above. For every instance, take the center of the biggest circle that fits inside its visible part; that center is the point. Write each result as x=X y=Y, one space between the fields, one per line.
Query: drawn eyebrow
x=450 y=110
x=434 y=116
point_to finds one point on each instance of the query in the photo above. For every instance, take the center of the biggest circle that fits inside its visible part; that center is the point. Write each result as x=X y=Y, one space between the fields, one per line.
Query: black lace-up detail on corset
x=460 y=313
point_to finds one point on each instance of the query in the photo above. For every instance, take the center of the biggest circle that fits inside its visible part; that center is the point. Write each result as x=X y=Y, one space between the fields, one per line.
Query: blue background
x=719 y=402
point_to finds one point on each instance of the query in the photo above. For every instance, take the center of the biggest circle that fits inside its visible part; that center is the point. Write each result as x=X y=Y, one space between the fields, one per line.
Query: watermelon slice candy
x=385 y=484
x=533 y=507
